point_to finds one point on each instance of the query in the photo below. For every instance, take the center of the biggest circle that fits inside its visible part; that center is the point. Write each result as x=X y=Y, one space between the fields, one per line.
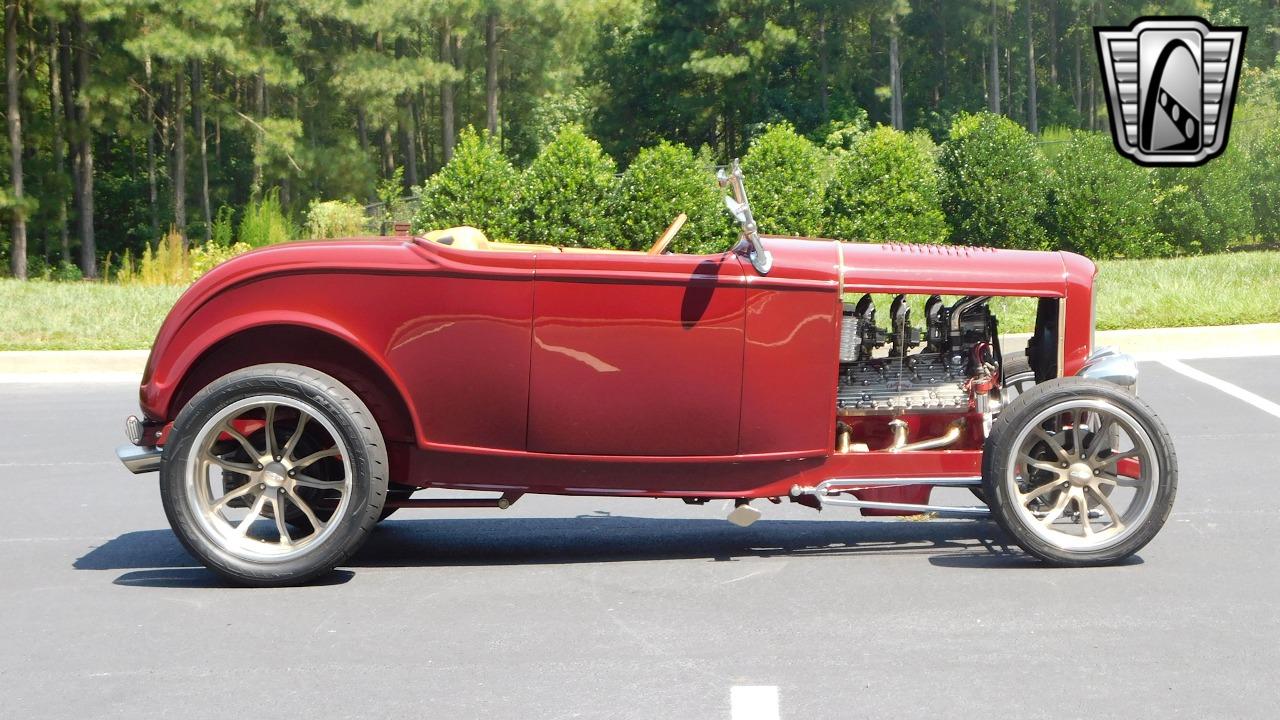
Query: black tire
x=359 y=433
x=999 y=455
x=1017 y=378
x=1017 y=372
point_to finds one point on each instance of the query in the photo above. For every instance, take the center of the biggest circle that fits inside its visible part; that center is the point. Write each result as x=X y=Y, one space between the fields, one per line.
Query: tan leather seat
x=465 y=237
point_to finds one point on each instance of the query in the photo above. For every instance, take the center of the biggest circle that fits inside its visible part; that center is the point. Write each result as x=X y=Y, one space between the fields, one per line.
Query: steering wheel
x=662 y=242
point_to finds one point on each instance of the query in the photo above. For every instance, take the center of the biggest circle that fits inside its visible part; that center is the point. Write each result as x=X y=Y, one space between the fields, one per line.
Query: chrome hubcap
x=268 y=458
x=1085 y=475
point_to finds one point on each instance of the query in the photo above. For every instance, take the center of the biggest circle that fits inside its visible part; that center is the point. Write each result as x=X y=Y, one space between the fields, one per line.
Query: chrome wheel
x=1016 y=384
x=1085 y=475
x=267 y=478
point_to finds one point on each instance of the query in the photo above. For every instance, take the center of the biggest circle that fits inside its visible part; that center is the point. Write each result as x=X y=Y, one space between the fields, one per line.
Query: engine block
x=924 y=382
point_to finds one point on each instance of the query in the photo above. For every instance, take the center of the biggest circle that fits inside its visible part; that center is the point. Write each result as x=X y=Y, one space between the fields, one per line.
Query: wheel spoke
x=1040 y=464
x=1105 y=502
x=317 y=483
x=270 y=430
x=232 y=495
x=1082 y=505
x=1027 y=497
x=1100 y=440
x=314 y=457
x=1053 y=444
x=1056 y=511
x=1113 y=459
x=302 y=505
x=236 y=467
x=292 y=442
x=278 y=509
x=244 y=441
x=1119 y=480
x=256 y=512
x=1076 y=415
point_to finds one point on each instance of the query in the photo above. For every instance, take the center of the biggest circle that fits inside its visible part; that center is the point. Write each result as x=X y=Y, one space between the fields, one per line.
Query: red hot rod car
x=298 y=394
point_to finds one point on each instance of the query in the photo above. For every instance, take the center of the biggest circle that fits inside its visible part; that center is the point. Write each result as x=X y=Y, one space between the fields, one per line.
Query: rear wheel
x=273 y=475
x=1079 y=472
x=1018 y=377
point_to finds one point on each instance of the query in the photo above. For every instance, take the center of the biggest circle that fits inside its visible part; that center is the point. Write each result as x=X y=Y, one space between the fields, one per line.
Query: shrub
x=993 y=183
x=203 y=258
x=1208 y=208
x=335 y=219
x=476 y=188
x=785 y=176
x=1264 y=184
x=166 y=264
x=885 y=188
x=264 y=222
x=1101 y=204
x=662 y=182
x=65 y=271
x=223 y=230
x=563 y=194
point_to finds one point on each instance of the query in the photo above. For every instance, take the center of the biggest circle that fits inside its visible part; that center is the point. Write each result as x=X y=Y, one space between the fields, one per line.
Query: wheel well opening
x=311 y=348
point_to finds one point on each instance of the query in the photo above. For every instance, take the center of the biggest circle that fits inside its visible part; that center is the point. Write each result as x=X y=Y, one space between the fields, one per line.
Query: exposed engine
x=953 y=372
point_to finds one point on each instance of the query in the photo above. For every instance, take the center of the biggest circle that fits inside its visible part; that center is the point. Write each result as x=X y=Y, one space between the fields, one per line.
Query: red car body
x=591 y=373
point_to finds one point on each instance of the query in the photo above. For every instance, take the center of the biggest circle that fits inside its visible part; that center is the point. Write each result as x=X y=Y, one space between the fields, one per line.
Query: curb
x=1154 y=344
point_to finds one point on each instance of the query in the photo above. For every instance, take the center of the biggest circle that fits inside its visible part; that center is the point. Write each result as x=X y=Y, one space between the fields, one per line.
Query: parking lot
x=633 y=608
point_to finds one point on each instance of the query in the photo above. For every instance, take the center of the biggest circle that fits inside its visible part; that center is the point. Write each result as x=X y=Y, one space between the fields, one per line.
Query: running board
x=830 y=492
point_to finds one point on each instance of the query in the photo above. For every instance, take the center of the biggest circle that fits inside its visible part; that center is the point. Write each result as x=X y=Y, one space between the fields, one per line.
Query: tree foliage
x=1101 y=204
x=994 y=186
x=563 y=195
x=477 y=187
x=662 y=182
x=788 y=174
x=885 y=188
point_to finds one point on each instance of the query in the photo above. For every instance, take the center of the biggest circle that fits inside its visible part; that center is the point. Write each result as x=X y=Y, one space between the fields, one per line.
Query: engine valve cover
x=919 y=383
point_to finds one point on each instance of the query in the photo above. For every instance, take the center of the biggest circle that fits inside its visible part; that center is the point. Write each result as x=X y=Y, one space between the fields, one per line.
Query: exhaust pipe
x=900 y=443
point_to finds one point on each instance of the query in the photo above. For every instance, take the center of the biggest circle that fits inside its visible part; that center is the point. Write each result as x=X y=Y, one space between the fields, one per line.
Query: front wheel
x=1080 y=472
x=273 y=475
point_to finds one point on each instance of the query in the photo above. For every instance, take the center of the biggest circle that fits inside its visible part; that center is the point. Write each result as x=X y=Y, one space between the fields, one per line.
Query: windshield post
x=760 y=258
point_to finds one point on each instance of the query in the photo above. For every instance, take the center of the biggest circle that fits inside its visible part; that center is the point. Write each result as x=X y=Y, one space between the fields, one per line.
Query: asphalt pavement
x=635 y=608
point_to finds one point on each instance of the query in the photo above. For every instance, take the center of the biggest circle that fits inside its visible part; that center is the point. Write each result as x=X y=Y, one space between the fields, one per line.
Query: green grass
x=39 y=315
x=1230 y=289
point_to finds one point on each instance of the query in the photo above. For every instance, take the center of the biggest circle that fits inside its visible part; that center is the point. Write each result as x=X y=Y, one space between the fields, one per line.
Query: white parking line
x=1234 y=391
x=754 y=702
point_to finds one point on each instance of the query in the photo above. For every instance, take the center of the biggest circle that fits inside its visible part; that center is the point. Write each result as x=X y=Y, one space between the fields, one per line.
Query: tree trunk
x=1053 y=43
x=259 y=105
x=197 y=117
x=55 y=121
x=1033 y=121
x=446 y=95
x=179 y=112
x=388 y=152
x=152 y=192
x=362 y=129
x=18 y=249
x=408 y=141
x=1077 y=89
x=993 y=86
x=88 y=244
x=68 y=82
x=895 y=80
x=491 y=72
x=824 y=66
